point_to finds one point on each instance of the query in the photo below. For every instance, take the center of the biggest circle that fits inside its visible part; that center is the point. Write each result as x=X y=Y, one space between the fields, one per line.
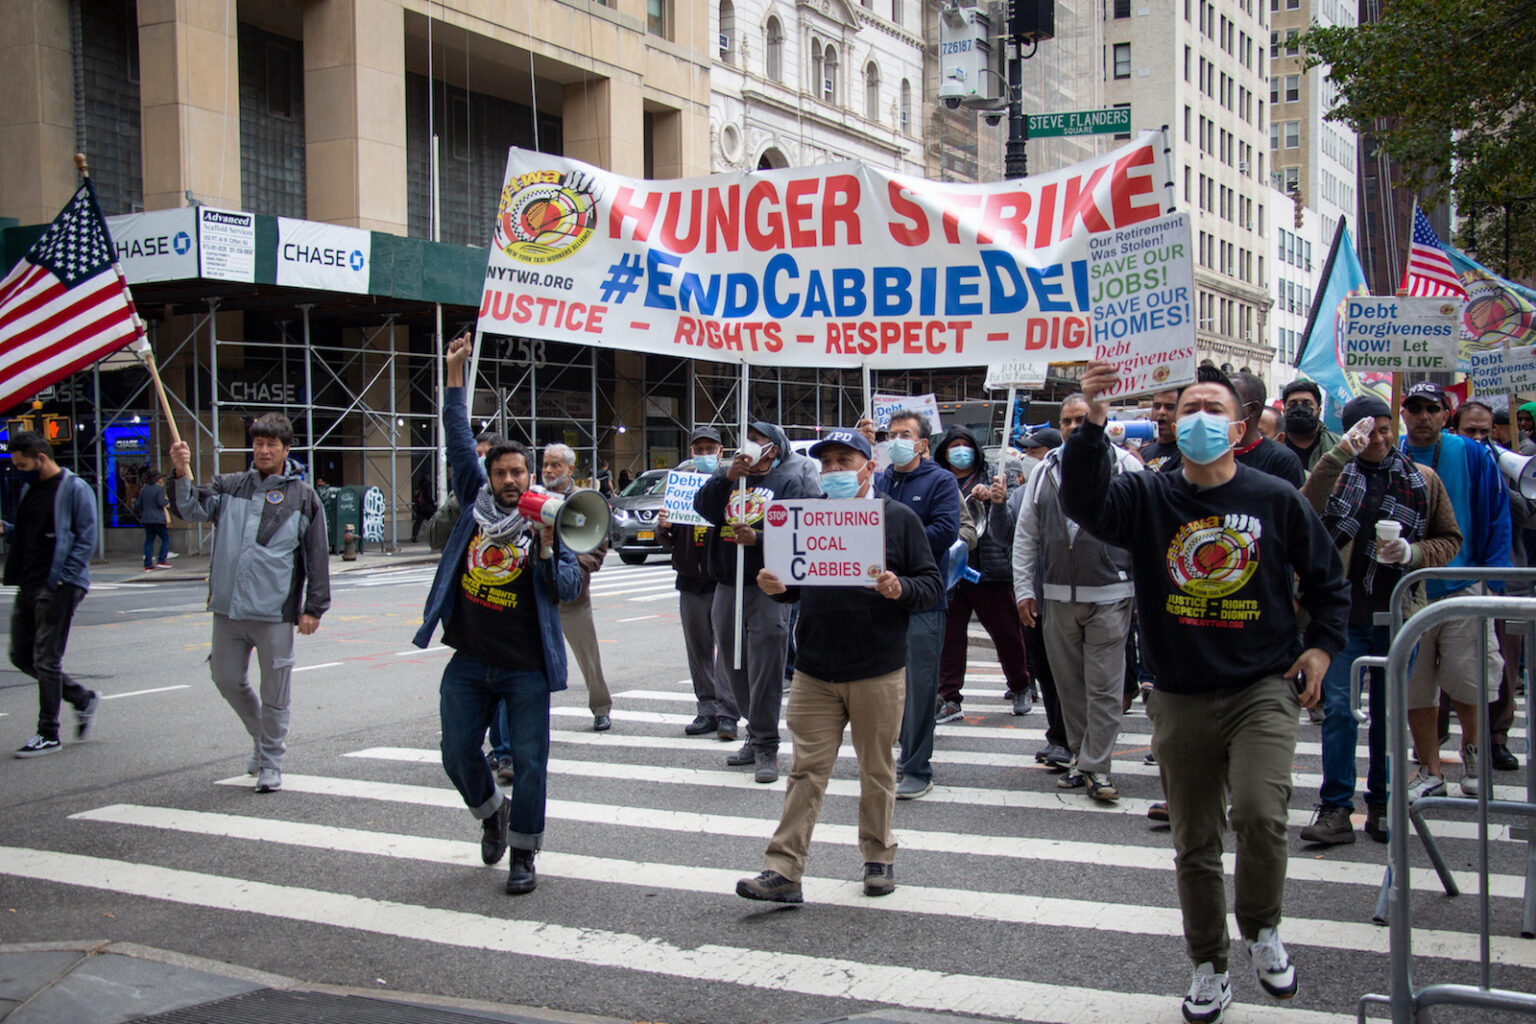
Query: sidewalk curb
x=247 y=975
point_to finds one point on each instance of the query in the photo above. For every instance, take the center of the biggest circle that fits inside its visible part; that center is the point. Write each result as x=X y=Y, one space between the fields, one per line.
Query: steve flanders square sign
x=817 y=542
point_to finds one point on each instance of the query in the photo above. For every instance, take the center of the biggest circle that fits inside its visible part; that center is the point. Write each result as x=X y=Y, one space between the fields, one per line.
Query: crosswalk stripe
x=640 y=588
x=1008 y=908
x=943 y=794
x=833 y=977
x=927 y=841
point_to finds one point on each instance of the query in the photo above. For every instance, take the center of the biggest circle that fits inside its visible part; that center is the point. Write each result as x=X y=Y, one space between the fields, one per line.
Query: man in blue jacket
x=48 y=561
x=497 y=593
x=1448 y=653
x=931 y=491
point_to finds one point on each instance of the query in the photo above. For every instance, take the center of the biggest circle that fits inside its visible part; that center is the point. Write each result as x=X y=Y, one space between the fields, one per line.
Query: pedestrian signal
x=17 y=425
x=57 y=429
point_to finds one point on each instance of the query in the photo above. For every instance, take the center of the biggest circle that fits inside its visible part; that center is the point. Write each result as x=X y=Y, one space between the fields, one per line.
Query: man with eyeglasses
x=1305 y=434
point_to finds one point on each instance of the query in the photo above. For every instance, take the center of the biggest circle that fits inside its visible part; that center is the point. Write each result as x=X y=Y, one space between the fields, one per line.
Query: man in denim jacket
x=497 y=593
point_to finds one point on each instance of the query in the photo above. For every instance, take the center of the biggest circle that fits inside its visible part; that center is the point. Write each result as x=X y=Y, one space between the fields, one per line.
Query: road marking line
x=653 y=597
x=1005 y=907
x=422 y=650
x=198 y=607
x=646 y=588
x=1054 y=851
x=639 y=618
x=834 y=977
x=323 y=664
x=140 y=693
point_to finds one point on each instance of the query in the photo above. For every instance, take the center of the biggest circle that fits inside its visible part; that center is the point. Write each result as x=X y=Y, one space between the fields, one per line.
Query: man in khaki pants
x=850 y=669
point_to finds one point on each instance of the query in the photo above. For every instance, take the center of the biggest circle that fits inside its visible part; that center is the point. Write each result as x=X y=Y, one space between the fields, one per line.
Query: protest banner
x=839 y=265
x=927 y=405
x=818 y=542
x=1143 y=287
x=678 y=498
x=1398 y=333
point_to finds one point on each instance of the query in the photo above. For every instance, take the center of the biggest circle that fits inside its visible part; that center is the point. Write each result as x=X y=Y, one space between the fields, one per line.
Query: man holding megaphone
x=497 y=593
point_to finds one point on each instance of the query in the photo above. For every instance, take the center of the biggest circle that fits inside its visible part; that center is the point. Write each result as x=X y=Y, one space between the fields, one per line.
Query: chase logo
x=181 y=242
x=355 y=261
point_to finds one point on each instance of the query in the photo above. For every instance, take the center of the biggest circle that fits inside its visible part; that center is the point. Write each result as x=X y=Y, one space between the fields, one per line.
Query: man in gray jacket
x=270 y=572
x=1083 y=600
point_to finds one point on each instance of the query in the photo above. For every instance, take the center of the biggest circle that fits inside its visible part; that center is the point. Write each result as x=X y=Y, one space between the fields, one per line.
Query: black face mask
x=1300 y=420
x=29 y=476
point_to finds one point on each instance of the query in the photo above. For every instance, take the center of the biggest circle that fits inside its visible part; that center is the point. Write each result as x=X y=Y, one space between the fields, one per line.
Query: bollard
x=349 y=545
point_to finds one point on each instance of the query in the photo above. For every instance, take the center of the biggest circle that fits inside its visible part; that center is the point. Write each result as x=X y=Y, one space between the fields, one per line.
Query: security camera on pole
x=968 y=76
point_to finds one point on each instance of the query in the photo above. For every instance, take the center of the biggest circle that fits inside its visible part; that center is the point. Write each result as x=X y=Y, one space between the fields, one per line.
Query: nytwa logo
x=545 y=216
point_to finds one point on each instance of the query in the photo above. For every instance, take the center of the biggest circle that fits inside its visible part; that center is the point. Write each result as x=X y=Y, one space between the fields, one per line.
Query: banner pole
x=741 y=561
x=1013 y=394
x=869 y=390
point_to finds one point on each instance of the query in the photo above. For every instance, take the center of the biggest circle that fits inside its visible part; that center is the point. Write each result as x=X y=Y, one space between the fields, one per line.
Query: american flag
x=65 y=304
x=1429 y=272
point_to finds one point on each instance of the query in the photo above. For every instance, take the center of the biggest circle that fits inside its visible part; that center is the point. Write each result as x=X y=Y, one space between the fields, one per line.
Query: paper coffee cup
x=1388 y=529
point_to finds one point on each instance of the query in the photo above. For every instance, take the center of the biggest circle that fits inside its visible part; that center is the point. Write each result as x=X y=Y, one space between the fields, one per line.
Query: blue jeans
x=501 y=734
x=151 y=532
x=1341 y=733
x=925 y=641
x=468 y=699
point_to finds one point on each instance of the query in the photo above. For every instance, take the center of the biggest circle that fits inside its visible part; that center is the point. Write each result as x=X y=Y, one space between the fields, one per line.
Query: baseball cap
x=1046 y=437
x=704 y=434
x=845 y=437
x=1426 y=391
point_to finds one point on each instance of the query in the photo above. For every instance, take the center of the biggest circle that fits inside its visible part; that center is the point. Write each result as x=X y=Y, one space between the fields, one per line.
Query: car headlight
x=620 y=516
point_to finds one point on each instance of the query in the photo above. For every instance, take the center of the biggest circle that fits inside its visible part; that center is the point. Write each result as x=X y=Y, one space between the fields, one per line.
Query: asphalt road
x=1014 y=900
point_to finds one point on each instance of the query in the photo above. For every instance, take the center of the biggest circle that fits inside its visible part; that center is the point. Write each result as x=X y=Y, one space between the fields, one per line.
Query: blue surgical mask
x=902 y=450
x=1203 y=437
x=963 y=457
x=840 y=483
x=706 y=463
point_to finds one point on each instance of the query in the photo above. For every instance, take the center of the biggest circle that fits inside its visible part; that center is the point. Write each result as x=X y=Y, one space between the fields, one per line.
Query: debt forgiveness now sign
x=1393 y=334
x=820 y=542
x=1109 y=121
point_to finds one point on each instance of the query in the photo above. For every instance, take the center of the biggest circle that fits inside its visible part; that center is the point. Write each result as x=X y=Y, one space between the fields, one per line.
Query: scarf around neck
x=494 y=522
x=1406 y=500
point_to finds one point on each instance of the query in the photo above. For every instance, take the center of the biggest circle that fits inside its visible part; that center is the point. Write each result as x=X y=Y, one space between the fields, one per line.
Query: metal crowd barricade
x=1404 y=1000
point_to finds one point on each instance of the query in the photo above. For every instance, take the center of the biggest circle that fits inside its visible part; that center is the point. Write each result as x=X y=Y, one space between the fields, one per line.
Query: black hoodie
x=792 y=476
x=991 y=555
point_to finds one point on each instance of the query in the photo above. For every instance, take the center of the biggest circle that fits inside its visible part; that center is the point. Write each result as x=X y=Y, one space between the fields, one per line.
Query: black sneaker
x=37 y=746
x=746 y=755
x=1074 y=779
x=879 y=879
x=1376 y=821
x=948 y=711
x=1330 y=827
x=767 y=767
x=700 y=725
x=725 y=728
x=1023 y=704
x=86 y=717
x=771 y=887
x=493 y=833
x=520 y=877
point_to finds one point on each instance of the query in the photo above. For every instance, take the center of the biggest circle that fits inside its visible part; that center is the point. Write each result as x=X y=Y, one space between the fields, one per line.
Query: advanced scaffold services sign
x=837 y=265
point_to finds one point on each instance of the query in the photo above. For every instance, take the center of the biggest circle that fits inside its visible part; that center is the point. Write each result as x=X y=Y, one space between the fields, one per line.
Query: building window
x=906 y=106
x=816 y=68
x=1188 y=118
x=773 y=52
x=727 y=32
x=829 y=74
x=1292 y=42
x=1291 y=178
x=1122 y=8
x=872 y=91
x=1292 y=88
x=658 y=18
x=896 y=11
x=1122 y=60
x=1292 y=134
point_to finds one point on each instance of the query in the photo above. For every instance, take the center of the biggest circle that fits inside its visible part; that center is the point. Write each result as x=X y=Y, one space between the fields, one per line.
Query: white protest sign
x=819 y=542
x=926 y=405
x=1501 y=370
x=1388 y=333
x=1143 y=304
x=678 y=500
x=1018 y=373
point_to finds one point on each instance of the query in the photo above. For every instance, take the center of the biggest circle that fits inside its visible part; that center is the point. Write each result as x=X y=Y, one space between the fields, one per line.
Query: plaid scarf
x=1406 y=500
x=495 y=521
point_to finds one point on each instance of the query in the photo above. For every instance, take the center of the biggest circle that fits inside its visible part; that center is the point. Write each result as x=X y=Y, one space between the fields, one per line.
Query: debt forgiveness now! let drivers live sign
x=839 y=265
x=821 y=542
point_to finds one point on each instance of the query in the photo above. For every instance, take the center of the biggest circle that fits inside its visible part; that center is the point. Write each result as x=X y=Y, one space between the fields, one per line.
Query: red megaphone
x=581 y=519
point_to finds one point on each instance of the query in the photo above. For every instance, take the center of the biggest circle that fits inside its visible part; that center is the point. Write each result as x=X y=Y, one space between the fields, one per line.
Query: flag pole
x=140 y=346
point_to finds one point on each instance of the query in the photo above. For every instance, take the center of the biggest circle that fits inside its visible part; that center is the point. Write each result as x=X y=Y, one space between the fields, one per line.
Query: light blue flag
x=1321 y=358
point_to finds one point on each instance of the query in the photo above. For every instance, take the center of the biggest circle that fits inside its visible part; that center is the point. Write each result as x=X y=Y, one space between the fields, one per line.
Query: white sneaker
x=1468 y=769
x=1424 y=784
x=1271 y=964
x=1209 y=995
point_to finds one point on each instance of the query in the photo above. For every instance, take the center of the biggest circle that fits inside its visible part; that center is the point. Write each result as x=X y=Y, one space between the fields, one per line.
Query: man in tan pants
x=843 y=679
x=558 y=471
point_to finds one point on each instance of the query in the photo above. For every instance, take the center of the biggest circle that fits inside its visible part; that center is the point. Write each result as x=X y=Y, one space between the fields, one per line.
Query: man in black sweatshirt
x=1214 y=548
x=850 y=669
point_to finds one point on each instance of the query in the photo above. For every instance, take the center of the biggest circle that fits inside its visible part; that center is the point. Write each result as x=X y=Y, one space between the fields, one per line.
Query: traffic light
x=17 y=425
x=1030 y=21
x=57 y=429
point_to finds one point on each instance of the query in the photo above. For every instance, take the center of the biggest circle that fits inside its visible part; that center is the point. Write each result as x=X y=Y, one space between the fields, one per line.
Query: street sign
x=1110 y=121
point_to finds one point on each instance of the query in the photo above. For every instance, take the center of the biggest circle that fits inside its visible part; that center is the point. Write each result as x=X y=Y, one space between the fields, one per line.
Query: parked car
x=634 y=515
